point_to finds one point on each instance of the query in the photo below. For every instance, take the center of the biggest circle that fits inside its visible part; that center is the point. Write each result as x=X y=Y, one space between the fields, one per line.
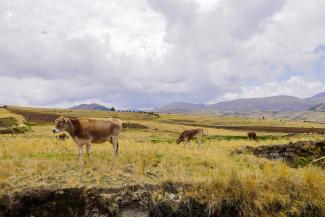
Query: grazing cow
x=85 y=131
x=252 y=135
x=188 y=135
x=62 y=137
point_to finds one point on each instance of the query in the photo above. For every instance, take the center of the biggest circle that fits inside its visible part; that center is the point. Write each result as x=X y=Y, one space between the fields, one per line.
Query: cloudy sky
x=145 y=53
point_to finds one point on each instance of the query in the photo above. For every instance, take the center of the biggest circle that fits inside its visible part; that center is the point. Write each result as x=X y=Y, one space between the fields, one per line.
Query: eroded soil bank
x=295 y=154
x=134 y=201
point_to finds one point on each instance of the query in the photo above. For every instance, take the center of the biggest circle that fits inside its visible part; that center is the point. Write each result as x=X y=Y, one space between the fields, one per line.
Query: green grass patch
x=162 y=139
x=300 y=162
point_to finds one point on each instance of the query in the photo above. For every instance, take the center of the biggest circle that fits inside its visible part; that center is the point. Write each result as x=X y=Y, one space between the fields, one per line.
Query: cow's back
x=192 y=133
x=100 y=129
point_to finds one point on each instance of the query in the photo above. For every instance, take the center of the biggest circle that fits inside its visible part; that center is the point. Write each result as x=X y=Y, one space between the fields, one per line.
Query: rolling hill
x=92 y=106
x=280 y=103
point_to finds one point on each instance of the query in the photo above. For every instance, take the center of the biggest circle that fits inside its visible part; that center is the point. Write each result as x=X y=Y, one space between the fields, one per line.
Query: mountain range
x=279 y=103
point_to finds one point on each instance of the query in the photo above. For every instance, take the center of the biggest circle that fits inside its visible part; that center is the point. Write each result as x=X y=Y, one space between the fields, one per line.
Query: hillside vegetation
x=212 y=172
x=279 y=107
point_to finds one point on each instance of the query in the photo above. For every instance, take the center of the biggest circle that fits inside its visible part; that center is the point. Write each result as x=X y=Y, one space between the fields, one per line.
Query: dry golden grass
x=36 y=159
x=4 y=113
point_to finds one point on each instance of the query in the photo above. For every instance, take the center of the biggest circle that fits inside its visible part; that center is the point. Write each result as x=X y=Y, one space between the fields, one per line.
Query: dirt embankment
x=294 y=154
x=39 y=117
x=36 y=117
x=138 y=201
x=76 y=202
x=9 y=125
x=128 y=125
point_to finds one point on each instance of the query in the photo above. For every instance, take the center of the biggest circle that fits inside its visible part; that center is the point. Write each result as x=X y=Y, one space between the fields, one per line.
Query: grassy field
x=150 y=156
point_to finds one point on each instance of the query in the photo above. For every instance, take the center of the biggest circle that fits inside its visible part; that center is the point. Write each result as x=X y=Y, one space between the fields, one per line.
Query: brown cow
x=189 y=135
x=252 y=135
x=85 y=131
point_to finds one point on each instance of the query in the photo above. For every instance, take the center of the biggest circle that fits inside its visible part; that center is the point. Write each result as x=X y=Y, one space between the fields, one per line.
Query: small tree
x=112 y=109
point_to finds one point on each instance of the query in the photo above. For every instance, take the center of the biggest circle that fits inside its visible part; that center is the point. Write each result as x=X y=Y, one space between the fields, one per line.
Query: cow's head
x=61 y=124
x=179 y=140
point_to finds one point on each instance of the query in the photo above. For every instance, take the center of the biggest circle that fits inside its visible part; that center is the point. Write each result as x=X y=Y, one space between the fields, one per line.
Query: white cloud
x=149 y=52
x=295 y=86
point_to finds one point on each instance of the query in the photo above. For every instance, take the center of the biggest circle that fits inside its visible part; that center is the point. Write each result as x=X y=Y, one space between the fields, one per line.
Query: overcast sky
x=145 y=53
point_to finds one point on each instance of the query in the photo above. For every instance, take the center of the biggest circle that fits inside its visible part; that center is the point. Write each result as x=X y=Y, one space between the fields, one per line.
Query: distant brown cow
x=188 y=135
x=62 y=137
x=252 y=135
x=85 y=131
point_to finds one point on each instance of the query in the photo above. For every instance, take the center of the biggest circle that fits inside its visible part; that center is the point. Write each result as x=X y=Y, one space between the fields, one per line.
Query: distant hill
x=92 y=106
x=318 y=108
x=181 y=107
x=319 y=95
x=274 y=103
x=280 y=103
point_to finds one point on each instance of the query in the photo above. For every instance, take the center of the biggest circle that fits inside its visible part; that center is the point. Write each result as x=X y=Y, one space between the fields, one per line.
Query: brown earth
x=294 y=154
x=76 y=202
x=36 y=117
x=136 y=201
x=129 y=125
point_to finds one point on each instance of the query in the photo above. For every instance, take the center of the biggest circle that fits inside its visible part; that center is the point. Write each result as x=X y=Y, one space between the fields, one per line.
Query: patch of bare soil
x=77 y=202
x=36 y=117
x=135 y=201
x=129 y=125
x=294 y=154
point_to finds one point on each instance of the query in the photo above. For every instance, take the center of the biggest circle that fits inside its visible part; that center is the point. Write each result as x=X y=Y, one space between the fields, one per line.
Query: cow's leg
x=114 y=148
x=80 y=149
x=199 y=140
x=191 y=142
x=88 y=148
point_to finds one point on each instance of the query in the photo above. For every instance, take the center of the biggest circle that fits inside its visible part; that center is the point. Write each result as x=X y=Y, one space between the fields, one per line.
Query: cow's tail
x=116 y=147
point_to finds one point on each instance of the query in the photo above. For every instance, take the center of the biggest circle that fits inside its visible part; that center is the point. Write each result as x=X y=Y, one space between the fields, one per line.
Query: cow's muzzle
x=55 y=130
